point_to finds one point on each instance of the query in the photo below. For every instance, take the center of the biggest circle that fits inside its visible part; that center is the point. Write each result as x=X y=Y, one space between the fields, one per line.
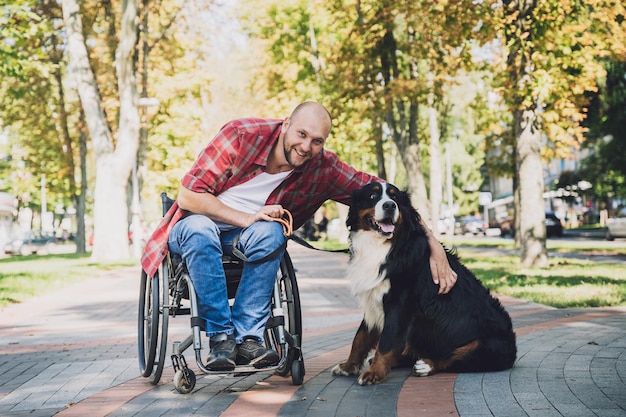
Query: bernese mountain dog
x=406 y=321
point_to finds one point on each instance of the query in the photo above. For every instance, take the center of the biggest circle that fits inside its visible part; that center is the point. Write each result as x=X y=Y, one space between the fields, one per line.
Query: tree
x=606 y=141
x=375 y=64
x=113 y=163
x=552 y=49
x=37 y=111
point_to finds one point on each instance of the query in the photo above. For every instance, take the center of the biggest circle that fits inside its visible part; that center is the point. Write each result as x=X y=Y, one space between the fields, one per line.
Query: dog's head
x=380 y=207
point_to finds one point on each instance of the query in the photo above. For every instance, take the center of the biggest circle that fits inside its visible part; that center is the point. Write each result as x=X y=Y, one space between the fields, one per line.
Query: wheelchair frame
x=162 y=296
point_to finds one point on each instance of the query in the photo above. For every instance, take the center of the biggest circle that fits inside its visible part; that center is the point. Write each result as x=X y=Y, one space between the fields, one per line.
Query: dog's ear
x=352 y=218
x=410 y=213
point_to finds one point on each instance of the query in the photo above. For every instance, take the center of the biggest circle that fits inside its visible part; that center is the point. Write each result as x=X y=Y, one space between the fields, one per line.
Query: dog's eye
x=373 y=196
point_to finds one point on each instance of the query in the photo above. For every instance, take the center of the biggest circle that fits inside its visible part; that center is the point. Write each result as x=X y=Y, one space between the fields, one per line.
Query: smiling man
x=248 y=174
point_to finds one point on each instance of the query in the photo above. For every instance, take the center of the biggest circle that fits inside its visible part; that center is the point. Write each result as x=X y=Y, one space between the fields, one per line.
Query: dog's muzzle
x=385 y=227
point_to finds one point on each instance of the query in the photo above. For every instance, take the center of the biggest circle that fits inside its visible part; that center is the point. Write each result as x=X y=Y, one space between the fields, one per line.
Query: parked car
x=554 y=226
x=470 y=225
x=30 y=243
x=616 y=226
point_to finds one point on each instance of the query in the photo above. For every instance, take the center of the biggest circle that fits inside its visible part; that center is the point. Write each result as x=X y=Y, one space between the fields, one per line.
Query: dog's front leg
x=363 y=342
x=379 y=368
x=386 y=356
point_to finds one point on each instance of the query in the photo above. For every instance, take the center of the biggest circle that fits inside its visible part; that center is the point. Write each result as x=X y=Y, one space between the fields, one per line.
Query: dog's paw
x=344 y=369
x=421 y=368
x=371 y=378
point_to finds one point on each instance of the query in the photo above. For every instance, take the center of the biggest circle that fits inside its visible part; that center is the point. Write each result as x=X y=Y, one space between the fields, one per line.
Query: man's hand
x=443 y=275
x=266 y=213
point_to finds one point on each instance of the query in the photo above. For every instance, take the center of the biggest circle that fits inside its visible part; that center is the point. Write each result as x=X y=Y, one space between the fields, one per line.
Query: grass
x=567 y=283
x=590 y=247
x=23 y=277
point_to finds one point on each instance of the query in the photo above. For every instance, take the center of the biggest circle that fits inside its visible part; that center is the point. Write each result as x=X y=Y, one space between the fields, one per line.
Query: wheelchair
x=170 y=293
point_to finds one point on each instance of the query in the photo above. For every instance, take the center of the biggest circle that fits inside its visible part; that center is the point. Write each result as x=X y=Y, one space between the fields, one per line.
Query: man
x=248 y=175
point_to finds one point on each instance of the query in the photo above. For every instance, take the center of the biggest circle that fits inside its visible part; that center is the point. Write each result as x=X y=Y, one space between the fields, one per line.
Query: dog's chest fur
x=367 y=280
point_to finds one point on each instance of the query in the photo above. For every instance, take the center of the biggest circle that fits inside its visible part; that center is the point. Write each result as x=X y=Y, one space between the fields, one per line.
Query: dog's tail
x=495 y=353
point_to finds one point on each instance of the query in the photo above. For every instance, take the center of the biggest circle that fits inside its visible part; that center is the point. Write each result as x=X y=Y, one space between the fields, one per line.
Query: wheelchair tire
x=293 y=317
x=152 y=319
x=184 y=383
x=297 y=372
x=147 y=315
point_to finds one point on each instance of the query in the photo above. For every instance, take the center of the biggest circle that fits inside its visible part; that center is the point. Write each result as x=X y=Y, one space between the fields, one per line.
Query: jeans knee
x=262 y=237
x=195 y=230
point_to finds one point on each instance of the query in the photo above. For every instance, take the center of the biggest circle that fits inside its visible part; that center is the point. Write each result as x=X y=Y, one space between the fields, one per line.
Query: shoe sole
x=264 y=361
x=223 y=365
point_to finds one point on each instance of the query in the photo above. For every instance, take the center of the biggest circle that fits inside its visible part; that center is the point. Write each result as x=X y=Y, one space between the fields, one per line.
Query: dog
x=405 y=320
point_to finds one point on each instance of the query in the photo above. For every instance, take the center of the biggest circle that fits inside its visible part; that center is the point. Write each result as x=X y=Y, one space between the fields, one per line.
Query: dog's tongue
x=386 y=228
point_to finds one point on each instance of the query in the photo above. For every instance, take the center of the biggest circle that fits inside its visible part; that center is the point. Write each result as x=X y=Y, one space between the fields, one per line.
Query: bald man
x=248 y=174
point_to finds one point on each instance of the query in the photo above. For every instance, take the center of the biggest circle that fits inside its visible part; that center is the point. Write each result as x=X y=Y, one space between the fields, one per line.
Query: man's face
x=304 y=138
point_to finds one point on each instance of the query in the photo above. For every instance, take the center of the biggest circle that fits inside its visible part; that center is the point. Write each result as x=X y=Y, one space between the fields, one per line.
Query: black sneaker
x=251 y=352
x=222 y=356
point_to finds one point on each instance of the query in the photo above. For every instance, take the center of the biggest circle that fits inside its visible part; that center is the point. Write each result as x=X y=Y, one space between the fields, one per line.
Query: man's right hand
x=267 y=213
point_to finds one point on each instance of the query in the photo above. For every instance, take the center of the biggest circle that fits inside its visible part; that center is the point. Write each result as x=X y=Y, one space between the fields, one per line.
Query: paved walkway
x=73 y=353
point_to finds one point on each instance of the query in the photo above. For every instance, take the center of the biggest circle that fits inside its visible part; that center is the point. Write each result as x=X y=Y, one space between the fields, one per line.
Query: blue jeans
x=201 y=244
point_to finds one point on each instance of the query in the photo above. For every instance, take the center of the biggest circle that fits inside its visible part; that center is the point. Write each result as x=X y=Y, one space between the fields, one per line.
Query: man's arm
x=209 y=205
x=443 y=274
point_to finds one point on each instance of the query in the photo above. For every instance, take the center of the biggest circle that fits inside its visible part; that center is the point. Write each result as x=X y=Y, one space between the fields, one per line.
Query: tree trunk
x=532 y=229
x=403 y=123
x=436 y=176
x=417 y=185
x=81 y=232
x=112 y=168
x=380 y=152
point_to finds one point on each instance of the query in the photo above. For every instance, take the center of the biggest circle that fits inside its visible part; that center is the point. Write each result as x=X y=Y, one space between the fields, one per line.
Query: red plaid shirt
x=238 y=153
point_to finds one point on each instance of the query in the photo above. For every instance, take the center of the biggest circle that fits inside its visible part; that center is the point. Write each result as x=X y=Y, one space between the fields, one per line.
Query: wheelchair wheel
x=152 y=320
x=184 y=381
x=290 y=300
x=297 y=371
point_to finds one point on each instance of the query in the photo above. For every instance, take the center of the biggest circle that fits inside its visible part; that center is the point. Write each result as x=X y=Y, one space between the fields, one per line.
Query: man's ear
x=285 y=125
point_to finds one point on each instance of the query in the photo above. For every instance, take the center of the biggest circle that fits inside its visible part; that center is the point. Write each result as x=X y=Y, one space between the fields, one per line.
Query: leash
x=287 y=223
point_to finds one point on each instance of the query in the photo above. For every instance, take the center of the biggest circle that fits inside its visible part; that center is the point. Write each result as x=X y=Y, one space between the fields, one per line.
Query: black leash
x=287 y=223
x=306 y=244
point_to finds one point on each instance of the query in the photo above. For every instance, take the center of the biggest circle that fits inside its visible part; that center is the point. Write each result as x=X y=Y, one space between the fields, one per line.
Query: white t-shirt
x=251 y=195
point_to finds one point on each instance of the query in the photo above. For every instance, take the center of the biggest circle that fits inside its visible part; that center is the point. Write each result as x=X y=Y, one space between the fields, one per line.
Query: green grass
x=595 y=247
x=23 y=277
x=566 y=283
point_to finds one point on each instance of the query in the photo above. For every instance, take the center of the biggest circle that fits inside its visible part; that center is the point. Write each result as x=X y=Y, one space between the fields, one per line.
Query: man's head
x=305 y=133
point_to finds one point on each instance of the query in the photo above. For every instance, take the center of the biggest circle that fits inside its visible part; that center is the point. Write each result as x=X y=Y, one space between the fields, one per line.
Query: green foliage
x=554 y=50
x=20 y=27
x=605 y=167
x=29 y=102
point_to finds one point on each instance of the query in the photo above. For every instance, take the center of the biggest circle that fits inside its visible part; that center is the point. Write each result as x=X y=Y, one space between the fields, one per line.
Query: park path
x=73 y=353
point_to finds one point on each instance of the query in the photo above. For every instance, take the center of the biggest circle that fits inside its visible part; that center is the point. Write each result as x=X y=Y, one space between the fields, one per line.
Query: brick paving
x=73 y=353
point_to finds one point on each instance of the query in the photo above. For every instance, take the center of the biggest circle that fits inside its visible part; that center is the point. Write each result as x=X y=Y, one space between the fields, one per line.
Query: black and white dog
x=405 y=320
